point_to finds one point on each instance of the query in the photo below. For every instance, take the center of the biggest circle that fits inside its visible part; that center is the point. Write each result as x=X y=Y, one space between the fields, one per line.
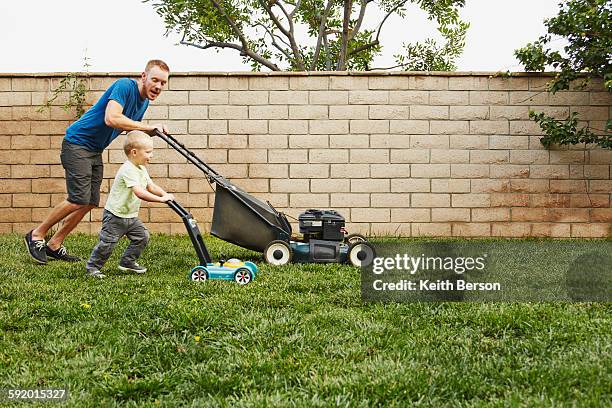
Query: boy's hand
x=167 y=197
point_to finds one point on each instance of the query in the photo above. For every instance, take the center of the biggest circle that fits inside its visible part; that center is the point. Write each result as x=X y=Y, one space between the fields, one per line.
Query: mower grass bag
x=243 y=220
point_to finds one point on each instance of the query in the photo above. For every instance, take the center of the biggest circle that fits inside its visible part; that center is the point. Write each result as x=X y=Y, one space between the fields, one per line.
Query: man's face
x=153 y=81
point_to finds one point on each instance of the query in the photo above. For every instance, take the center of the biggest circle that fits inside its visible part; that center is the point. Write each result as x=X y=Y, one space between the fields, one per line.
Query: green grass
x=297 y=336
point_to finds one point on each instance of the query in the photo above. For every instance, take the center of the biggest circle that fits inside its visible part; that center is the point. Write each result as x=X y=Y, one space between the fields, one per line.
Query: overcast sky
x=121 y=35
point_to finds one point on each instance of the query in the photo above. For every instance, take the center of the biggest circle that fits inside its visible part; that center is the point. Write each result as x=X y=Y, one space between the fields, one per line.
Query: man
x=121 y=108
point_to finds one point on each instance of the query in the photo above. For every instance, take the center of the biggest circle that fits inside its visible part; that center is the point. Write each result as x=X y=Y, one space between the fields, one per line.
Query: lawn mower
x=232 y=269
x=243 y=220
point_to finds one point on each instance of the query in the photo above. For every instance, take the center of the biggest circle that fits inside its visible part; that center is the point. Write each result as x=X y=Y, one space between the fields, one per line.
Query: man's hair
x=136 y=139
x=157 y=63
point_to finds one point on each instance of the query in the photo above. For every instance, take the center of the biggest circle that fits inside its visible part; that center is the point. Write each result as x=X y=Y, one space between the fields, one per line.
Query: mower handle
x=185 y=152
x=176 y=207
x=193 y=231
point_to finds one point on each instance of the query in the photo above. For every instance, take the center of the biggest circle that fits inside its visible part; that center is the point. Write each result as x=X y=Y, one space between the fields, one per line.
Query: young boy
x=132 y=184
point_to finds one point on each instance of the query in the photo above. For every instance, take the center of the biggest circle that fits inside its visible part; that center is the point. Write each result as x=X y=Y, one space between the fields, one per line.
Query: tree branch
x=210 y=44
x=388 y=68
x=393 y=10
x=245 y=45
x=364 y=47
x=296 y=8
x=327 y=56
x=277 y=23
x=296 y=50
x=357 y=27
x=232 y=24
x=348 y=6
x=376 y=41
x=274 y=43
x=288 y=33
x=281 y=39
x=315 y=58
x=280 y=6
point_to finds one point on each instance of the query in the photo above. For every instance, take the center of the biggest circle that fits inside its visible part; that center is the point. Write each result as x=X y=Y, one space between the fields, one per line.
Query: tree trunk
x=348 y=6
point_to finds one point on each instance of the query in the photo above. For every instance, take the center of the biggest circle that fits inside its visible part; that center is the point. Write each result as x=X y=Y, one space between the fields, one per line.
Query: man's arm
x=114 y=117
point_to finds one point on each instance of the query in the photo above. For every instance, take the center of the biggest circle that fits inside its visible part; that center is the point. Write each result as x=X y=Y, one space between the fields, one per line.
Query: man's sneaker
x=132 y=267
x=61 y=254
x=36 y=248
x=94 y=273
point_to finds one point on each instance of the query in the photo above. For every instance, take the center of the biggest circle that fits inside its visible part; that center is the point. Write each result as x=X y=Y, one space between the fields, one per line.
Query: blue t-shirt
x=91 y=132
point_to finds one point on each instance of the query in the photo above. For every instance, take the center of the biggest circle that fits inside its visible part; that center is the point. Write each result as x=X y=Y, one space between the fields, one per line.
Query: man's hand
x=158 y=126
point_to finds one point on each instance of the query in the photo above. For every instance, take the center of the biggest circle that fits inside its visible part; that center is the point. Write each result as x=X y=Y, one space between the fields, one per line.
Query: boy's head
x=138 y=147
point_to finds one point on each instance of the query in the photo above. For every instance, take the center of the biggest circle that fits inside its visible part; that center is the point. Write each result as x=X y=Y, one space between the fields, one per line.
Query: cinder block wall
x=411 y=154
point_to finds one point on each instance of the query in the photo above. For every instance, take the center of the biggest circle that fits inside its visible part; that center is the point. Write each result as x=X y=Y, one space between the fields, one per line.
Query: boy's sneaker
x=132 y=267
x=61 y=254
x=94 y=273
x=36 y=248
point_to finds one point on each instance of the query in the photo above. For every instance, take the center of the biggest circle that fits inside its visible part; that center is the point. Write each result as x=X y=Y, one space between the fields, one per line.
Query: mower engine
x=323 y=240
x=325 y=225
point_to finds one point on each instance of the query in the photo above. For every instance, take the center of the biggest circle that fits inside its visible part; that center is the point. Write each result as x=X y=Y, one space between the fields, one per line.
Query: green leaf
x=586 y=26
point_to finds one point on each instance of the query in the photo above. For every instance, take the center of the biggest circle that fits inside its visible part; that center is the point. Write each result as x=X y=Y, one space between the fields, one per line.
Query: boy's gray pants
x=113 y=228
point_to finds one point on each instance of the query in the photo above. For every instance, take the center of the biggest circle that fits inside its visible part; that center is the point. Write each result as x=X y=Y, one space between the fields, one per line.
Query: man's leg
x=55 y=248
x=61 y=211
x=69 y=224
x=35 y=239
x=83 y=175
x=83 y=180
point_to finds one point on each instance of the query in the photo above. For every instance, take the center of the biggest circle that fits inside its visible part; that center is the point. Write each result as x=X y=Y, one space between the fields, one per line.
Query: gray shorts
x=84 y=170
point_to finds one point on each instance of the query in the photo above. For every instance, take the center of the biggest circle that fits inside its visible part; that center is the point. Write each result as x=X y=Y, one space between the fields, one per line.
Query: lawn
x=297 y=336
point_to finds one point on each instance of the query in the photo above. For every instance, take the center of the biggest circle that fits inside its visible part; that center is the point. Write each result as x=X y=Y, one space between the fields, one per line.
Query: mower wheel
x=353 y=238
x=243 y=276
x=278 y=253
x=361 y=254
x=199 y=274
